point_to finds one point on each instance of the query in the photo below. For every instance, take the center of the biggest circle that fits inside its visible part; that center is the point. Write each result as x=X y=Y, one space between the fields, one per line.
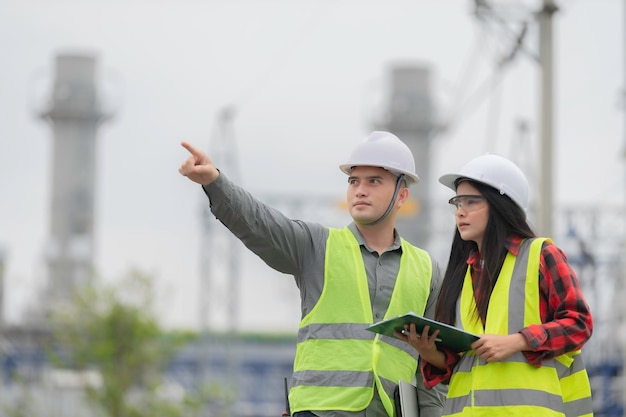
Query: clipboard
x=405 y=398
x=449 y=336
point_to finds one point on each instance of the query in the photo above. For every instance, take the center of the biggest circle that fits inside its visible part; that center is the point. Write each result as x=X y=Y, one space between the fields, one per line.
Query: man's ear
x=403 y=195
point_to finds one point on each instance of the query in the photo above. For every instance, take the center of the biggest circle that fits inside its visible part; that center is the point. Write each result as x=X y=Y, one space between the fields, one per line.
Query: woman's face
x=472 y=213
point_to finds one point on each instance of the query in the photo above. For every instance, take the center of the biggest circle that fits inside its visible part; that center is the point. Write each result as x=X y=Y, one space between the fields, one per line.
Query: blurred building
x=2 y=269
x=74 y=113
x=409 y=113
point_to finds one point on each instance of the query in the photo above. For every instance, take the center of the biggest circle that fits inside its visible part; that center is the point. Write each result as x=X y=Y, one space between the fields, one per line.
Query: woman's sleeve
x=567 y=323
x=433 y=375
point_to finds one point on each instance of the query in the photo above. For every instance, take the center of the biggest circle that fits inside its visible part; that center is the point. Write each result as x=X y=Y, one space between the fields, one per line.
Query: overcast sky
x=305 y=79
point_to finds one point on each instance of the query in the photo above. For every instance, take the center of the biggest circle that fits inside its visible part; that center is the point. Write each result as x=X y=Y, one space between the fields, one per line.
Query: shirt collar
x=359 y=238
x=512 y=244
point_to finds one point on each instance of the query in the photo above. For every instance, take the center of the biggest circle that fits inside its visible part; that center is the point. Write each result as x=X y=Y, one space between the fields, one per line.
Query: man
x=348 y=279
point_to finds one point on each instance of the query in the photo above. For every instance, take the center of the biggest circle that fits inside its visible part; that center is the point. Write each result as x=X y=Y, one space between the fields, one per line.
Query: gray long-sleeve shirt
x=298 y=248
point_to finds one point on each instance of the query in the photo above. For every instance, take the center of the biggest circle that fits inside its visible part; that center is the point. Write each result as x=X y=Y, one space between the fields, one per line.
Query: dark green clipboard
x=449 y=336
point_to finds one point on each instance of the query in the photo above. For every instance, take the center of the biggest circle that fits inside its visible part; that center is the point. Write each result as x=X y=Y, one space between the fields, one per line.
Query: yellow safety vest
x=338 y=362
x=513 y=387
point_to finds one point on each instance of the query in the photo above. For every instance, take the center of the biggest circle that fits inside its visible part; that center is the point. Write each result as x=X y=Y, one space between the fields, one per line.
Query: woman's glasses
x=467 y=202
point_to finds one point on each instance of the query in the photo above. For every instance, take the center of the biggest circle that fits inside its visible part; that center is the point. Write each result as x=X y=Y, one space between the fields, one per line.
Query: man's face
x=369 y=193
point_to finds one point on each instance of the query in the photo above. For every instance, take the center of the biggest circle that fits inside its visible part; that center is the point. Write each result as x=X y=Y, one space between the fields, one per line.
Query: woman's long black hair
x=505 y=219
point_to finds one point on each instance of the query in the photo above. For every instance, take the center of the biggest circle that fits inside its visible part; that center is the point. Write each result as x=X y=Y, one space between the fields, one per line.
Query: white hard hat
x=384 y=150
x=496 y=171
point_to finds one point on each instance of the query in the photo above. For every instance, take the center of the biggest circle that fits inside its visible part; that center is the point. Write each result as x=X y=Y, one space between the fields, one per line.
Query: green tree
x=112 y=329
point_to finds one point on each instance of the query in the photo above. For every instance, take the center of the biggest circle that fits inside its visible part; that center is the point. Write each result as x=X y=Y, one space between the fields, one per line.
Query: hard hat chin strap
x=390 y=207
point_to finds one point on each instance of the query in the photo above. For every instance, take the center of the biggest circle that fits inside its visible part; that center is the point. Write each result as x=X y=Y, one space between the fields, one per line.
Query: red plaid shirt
x=566 y=320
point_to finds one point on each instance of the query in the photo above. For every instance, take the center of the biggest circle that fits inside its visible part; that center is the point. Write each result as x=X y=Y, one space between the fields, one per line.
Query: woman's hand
x=423 y=343
x=493 y=347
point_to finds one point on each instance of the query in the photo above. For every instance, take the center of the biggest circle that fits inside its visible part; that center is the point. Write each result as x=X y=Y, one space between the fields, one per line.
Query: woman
x=518 y=293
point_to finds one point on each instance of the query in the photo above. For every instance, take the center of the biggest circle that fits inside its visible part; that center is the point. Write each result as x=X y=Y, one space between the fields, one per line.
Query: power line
x=490 y=84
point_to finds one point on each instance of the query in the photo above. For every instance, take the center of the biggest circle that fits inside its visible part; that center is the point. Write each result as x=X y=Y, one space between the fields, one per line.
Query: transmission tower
x=220 y=270
x=219 y=297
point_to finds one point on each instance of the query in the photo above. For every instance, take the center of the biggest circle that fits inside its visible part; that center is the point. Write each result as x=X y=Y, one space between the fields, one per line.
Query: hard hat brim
x=449 y=180
x=410 y=177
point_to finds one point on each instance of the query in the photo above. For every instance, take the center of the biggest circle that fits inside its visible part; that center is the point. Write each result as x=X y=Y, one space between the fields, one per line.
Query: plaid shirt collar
x=512 y=244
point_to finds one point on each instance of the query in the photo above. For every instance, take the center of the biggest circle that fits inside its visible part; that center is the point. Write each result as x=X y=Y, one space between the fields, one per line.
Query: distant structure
x=2 y=269
x=74 y=112
x=409 y=115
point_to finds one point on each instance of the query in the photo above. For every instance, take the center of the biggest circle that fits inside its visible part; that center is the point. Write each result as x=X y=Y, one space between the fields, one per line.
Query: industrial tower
x=74 y=113
x=409 y=115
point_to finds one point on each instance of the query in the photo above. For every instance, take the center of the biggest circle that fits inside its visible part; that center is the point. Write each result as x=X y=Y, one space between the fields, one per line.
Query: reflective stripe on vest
x=338 y=362
x=513 y=387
